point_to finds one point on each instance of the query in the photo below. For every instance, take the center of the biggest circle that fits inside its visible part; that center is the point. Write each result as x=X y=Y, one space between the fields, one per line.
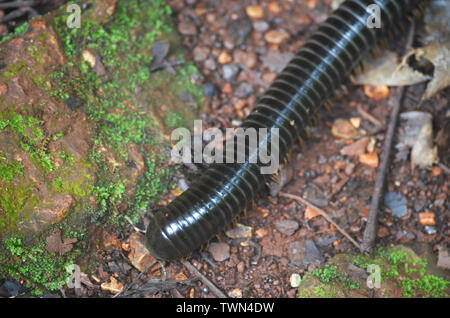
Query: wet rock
x=240 y=30
x=287 y=227
x=230 y=71
x=210 y=90
x=275 y=61
x=312 y=254
x=219 y=251
x=342 y=128
x=73 y=102
x=187 y=28
x=11 y=289
x=244 y=90
x=396 y=203
x=261 y=26
x=200 y=53
x=240 y=231
x=255 y=12
x=248 y=59
x=443 y=258
x=139 y=255
x=276 y=37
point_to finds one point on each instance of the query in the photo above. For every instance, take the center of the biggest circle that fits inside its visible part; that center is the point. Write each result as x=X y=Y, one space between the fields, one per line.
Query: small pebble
x=219 y=251
x=276 y=37
x=255 y=12
x=210 y=90
x=295 y=280
x=244 y=90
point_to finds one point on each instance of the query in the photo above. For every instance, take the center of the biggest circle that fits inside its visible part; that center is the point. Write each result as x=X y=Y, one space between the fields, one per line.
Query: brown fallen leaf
x=55 y=245
x=369 y=159
x=357 y=148
x=114 y=287
x=310 y=213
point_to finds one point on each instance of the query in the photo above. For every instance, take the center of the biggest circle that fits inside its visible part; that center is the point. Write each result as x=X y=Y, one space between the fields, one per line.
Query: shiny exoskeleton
x=313 y=76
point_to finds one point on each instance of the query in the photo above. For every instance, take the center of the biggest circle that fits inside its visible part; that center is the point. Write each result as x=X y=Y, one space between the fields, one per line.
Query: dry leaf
x=423 y=154
x=388 y=69
x=357 y=148
x=310 y=213
x=113 y=287
x=439 y=55
x=376 y=93
x=369 y=159
x=55 y=245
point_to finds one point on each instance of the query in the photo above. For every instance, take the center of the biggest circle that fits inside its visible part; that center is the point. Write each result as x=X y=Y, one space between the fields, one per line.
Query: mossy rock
x=84 y=126
x=401 y=271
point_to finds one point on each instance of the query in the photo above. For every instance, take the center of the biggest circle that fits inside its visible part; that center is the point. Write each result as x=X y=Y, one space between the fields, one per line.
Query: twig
x=16 y=4
x=368 y=116
x=322 y=213
x=141 y=274
x=444 y=167
x=339 y=186
x=205 y=280
x=370 y=232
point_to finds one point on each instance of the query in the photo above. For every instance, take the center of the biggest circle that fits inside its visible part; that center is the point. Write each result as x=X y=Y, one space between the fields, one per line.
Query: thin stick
x=370 y=232
x=322 y=213
x=205 y=280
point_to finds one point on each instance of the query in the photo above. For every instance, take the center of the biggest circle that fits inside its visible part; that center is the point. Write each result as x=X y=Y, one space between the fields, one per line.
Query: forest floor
x=239 y=49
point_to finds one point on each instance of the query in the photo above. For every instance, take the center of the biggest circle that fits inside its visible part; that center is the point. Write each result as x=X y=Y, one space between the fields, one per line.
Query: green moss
x=331 y=274
x=20 y=30
x=39 y=269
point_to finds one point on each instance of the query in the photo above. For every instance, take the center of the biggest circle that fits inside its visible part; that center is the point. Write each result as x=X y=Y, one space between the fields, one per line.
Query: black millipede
x=291 y=103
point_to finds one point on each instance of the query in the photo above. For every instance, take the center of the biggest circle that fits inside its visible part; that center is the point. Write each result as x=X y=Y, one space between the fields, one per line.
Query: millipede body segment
x=290 y=104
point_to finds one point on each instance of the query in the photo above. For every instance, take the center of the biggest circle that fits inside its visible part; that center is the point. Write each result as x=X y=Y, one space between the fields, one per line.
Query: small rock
x=73 y=102
x=431 y=230
x=210 y=64
x=276 y=62
x=210 y=90
x=356 y=122
x=350 y=168
x=275 y=7
x=240 y=30
x=255 y=12
x=244 y=90
x=261 y=26
x=89 y=57
x=224 y=58
x=230 y=71
x=219 y=251
x=187 y=28
x=343 y=129
x=443 y=258
x=248 y=59
x=376 y=93
x=287 y=227
x=369 y=159
x=382 y=231
x=396 y=203
x=427 y=218
x=201 y=53
x=276 y=37
x=296 y=251
x=235 y=293
x=295 y=280
x=435 y=172
x=241 y=267
x=261 y=232
x=3 y=89
x=139 y=255
x=240 y=231
x=312 y=255
x=269 y=77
